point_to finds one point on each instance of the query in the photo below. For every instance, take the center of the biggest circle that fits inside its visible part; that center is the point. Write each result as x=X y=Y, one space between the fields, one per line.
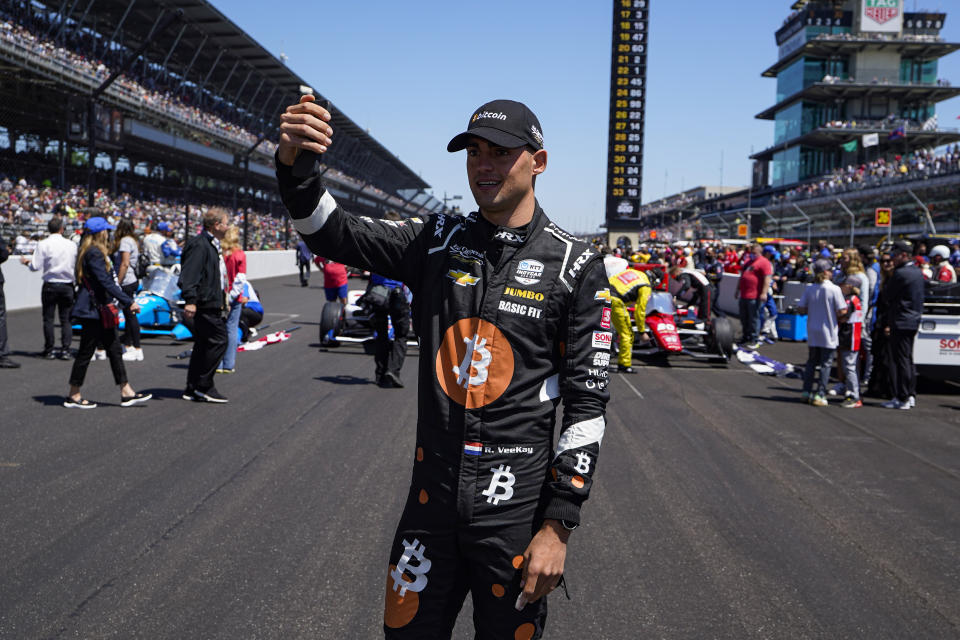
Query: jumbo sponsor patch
x=529 y=272
x=602 y=339
x=523 y=293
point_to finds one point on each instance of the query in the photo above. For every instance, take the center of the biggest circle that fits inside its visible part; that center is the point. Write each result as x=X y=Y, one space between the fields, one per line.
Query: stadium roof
x=826 y=91
x=827 y=47
x=207 y=49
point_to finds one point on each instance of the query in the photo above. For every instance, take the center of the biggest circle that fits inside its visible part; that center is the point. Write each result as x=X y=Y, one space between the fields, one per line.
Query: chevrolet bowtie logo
x=462 y=278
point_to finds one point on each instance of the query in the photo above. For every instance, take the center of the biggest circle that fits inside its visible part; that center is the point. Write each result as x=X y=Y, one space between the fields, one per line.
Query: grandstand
x=856 y=130
x=191 y=122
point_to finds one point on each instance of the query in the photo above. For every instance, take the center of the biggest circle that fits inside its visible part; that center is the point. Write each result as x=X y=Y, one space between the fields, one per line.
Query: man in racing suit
x=628 y=285
x=509 y=309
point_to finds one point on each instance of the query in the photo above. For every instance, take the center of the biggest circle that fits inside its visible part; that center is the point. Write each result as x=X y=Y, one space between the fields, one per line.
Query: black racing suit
x=511 y=322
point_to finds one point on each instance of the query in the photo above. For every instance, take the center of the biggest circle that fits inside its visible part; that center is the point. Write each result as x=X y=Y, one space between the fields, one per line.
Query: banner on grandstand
x=628 y=75
x=849 y=146
x=885 y=16
x=871 y=140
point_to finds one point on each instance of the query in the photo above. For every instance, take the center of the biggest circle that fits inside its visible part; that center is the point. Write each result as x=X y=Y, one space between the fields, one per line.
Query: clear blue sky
x=413 y=72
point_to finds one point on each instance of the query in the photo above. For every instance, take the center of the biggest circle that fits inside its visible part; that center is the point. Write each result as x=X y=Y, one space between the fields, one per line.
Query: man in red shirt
x=334 y=279
x=752 y=292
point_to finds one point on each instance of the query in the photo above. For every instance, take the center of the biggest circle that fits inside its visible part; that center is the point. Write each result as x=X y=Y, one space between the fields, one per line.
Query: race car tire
x=721 y=336
x=331 y=319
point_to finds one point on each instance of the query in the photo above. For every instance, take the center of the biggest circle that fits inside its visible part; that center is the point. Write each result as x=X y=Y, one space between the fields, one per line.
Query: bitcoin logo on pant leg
x=411 y=550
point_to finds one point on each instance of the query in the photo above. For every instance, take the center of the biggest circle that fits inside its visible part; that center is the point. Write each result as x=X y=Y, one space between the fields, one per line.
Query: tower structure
x=856 y=80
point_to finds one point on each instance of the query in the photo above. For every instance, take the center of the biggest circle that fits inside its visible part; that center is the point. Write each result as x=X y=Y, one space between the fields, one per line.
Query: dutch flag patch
x=472 y=448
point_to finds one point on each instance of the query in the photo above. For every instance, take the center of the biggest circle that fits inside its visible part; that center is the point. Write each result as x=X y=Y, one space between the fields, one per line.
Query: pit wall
x=22 y=287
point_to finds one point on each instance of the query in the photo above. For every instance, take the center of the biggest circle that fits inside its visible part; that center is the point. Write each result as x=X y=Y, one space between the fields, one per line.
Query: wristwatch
x=569 y=526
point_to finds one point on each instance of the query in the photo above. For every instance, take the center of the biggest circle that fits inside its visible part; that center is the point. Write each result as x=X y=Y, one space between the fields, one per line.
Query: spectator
x=5 y=361
x=880 y=369
x=203 y=279
x=752 y=291
x=848 y=348
x=96 y=314
x=904 y=293
x=824 y=305
x=126 y=255
x=56 y=257
x=236 y=262
x=872 y=269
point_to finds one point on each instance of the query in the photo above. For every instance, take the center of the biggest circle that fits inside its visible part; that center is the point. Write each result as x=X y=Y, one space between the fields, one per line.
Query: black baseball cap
x=505 y=123
x=902 y=246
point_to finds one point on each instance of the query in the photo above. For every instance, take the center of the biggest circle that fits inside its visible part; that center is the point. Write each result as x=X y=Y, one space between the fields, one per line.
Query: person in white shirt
x=56 y=257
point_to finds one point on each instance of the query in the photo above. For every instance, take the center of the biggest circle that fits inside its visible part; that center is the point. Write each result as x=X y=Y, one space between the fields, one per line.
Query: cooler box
x=792 y=326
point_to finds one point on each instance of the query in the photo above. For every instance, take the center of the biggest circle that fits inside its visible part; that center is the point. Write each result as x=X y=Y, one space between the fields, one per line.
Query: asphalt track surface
x=723 y=507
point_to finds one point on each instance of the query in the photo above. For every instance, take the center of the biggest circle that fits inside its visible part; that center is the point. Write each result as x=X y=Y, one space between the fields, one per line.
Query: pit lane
x=723 y=507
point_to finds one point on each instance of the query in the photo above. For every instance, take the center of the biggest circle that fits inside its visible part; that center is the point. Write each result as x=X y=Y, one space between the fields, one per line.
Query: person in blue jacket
x=98 y=288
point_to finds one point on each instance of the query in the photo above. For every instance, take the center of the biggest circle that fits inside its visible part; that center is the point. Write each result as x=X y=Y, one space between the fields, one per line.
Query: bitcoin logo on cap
x=474 y=364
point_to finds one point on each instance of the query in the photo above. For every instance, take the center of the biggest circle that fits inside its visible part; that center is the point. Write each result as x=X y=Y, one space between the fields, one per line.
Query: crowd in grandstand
x=88 y=56
x=898 y=168
x=25 y=208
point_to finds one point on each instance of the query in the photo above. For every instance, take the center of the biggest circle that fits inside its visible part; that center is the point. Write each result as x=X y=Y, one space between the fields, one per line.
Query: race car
x=680 y=332
x=351 y=323
x=159 y=299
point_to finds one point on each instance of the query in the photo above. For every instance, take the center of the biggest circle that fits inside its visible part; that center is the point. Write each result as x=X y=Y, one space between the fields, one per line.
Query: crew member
x=628 y=286
x=509 y=309
x=692 y=287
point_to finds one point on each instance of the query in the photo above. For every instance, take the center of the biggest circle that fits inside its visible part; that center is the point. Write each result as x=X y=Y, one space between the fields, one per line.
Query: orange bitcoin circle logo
x=474 y=363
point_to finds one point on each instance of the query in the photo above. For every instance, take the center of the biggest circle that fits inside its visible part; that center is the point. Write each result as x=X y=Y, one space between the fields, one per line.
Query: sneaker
x=190 y=394
x=133 y=355
x=626 y=370
x=819 y=401
x=894 y=404
x=806 y=397
x=210 y=395
x=837 y=390
x=226 y=370
x=753 y=346
x=911 y=402
x=82 y=403
x=851 y=403
x=7 y=363
x=135 y=399
x=99 y=354
x=49 y=355
x=65 y=354
x=390 y=380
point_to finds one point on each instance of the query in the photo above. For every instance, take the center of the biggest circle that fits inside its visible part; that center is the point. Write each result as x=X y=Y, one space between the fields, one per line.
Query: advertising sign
x=884 y=16
x=628 y=75
x=883 y=217
x=742 y=230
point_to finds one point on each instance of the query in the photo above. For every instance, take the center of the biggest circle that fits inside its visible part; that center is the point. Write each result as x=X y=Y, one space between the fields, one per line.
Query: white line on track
x=640 y=395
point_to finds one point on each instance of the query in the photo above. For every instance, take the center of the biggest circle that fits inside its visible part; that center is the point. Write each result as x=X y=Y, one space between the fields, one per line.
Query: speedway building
x=192 y=119
x=855 y=130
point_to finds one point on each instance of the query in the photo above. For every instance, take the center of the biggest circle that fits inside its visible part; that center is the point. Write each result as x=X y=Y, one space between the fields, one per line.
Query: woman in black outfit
x=97 y=288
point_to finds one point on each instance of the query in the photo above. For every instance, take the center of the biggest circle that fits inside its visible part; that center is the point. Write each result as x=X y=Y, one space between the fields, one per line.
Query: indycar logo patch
x=529 y=272
x=474 y=364
x=463 y=279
